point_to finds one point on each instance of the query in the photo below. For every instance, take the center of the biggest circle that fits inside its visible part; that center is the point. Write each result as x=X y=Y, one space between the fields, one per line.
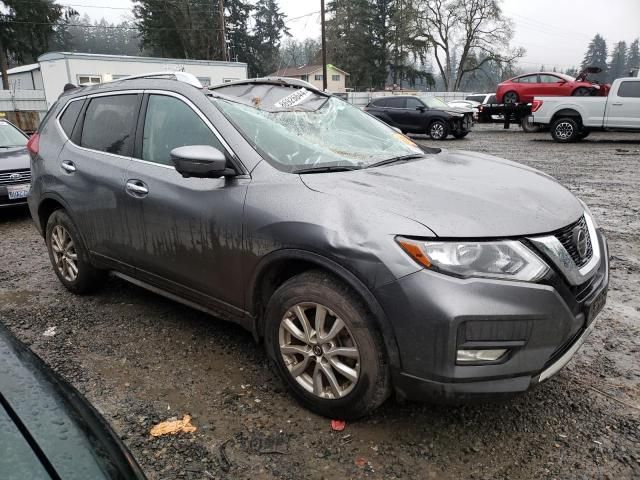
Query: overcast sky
x=554 y=32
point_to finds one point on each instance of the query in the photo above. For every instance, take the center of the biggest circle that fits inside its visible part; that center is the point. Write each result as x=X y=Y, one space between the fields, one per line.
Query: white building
x=55 y=69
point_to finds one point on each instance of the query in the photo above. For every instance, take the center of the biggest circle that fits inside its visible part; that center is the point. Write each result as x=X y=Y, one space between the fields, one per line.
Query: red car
x=523 y=88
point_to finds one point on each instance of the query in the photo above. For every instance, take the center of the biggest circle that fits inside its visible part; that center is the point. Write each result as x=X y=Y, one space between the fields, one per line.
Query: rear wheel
x=565 y=130
x=581 y=92
x=68 y=255
x=325 y=346
x=438 y=130
x=510 y=97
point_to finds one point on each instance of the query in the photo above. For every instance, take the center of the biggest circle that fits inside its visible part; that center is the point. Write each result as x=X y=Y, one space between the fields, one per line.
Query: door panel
x=187 y=232
x=93 y=171
x=623 y=106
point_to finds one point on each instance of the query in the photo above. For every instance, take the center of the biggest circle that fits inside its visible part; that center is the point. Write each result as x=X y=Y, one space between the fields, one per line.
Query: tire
x=68 y=255
x=438 y=130
x=529 y=127
x=460 y=134
x=510 y=97
x=584 y=134
x=581 y=92
x=369 y=383
x=565 y=130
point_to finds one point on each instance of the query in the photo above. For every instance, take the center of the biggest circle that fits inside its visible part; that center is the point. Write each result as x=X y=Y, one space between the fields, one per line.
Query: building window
x=205 y=81
x=304 y=78
x=335 y=78
x=89 y=79
x=318 y=77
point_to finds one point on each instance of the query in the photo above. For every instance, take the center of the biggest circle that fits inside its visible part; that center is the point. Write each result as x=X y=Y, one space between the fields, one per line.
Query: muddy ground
x=142 y=359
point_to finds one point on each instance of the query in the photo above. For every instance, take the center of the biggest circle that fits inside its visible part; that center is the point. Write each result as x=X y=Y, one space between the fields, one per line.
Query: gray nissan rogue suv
x=364 y=263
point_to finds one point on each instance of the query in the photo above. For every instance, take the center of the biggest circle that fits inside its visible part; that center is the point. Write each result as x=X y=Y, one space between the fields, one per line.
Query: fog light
x=474 y=356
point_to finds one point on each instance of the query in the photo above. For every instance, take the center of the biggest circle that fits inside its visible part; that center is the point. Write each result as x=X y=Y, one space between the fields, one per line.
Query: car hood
x=458 y=110
x=15 y=158
x=459 y=194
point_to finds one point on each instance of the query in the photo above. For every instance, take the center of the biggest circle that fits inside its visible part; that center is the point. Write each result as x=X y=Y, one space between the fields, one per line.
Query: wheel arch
x=47 y=206
x=567 y=112
x=278 y=267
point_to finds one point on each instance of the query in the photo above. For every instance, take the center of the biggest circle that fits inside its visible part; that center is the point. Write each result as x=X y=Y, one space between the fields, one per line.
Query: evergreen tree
x=633 y=57
x=618 y=63
x=268 y=28
x=596 y=56
x=27 y=29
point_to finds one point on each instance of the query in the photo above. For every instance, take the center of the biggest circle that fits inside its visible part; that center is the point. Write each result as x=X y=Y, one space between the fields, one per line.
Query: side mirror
x=421 y=108
x=562 y=82
x=201 y=161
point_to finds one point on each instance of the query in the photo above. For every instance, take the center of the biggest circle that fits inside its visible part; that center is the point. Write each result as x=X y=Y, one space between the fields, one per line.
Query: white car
x=573 y=118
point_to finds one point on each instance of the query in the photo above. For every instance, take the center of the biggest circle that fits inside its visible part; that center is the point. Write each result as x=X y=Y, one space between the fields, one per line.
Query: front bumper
x=542 y=325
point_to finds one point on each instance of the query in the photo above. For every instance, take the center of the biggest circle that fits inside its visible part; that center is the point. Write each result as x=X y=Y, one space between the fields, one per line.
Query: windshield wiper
x=403 y=158
x=326 y=169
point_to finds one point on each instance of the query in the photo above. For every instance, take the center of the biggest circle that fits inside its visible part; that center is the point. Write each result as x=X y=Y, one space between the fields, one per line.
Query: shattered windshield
x=306 y=130
x=433 y=102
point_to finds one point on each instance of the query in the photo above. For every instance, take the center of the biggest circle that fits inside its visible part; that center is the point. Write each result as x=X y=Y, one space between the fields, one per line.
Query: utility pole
x=324 y=47
x=223 y=37
x=3 y=67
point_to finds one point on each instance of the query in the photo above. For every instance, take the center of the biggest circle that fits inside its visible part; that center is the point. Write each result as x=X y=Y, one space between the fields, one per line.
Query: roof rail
x=184 y=77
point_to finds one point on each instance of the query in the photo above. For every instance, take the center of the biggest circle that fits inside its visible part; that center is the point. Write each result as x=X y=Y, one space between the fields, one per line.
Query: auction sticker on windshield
x=18 y=191
x=295 y=98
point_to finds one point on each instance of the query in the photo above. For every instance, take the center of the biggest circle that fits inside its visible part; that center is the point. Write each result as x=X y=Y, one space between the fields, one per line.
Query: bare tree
x=461 y=32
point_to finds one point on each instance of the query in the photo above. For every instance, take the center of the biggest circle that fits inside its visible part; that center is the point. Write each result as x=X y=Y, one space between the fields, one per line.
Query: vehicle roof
x=283 y=81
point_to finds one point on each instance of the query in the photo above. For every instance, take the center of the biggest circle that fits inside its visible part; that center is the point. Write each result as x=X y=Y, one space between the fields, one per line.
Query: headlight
x=506 y=260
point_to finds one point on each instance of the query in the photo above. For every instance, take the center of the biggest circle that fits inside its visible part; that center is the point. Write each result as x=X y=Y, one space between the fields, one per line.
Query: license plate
x=18 y=191
x=596 y=306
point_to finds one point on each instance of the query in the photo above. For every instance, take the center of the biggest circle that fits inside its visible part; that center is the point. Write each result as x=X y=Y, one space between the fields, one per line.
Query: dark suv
x=426 y=115
x=363 y=262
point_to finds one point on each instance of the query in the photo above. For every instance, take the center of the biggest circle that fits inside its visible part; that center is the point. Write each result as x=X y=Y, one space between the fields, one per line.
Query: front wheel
x=325 y=347
x=565 y=130
x=68 y=255
x=438 y=130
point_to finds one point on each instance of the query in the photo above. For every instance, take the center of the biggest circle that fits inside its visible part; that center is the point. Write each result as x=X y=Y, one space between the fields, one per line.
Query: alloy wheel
x=64 y=253
x=510 y=97
x=319 y=351
x=437 y=130
x=564 y=130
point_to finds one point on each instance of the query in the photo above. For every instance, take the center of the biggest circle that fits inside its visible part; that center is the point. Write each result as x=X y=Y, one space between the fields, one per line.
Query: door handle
x=137 y=188
x=617 y=104
x=68 y=166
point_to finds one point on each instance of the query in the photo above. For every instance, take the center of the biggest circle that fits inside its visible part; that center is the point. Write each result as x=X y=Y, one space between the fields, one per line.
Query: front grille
x=15 y=177
x=565 y=236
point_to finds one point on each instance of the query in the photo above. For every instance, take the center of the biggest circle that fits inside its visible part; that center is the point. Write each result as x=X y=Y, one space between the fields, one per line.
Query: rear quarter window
x=70 y=116
x=380 y=102
x=629 y=89
x=109 y=124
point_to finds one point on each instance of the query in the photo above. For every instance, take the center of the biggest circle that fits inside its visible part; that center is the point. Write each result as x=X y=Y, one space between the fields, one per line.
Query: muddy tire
x=325 y=346
x=69 y=257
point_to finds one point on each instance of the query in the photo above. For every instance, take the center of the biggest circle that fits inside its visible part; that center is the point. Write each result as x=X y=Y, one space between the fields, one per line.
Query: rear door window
x=396 y=102
x=70 y=116
x=381 y=103
x=109 y=124
x=529 y=79
x=171 y=123
x=629 y=89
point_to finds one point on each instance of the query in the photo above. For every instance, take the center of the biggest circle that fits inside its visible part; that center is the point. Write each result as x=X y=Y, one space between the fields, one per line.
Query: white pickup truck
x=573 y=118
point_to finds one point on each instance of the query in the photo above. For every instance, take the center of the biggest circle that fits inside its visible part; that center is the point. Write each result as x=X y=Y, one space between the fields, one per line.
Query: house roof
x=305 y=70
x=23 y=68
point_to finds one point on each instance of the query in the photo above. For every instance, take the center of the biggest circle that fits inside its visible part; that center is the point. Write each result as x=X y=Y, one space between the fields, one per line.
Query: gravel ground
x=142 y=359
